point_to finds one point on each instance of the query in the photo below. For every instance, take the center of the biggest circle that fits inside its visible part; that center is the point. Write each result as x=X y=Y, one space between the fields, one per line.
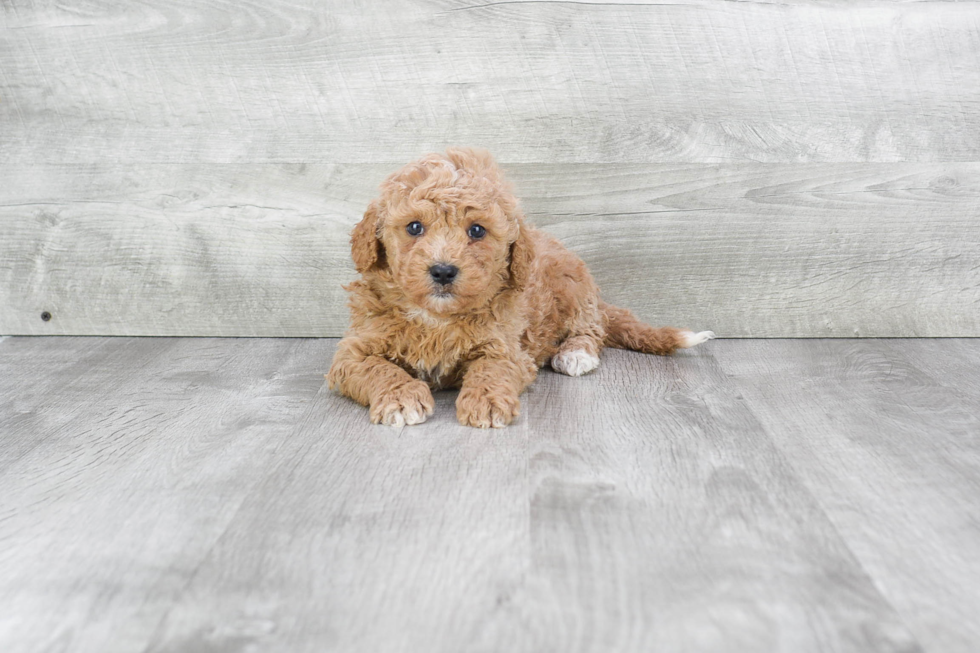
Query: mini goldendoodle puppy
x=456 y=290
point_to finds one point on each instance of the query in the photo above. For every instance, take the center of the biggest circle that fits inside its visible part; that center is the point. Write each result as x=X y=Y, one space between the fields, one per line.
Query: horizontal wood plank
x=343 y=82
x=261 y=250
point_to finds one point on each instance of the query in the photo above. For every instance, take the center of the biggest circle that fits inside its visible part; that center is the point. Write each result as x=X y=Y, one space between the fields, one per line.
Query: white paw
x=403 y=416
x=574 y=363
x=691 y=339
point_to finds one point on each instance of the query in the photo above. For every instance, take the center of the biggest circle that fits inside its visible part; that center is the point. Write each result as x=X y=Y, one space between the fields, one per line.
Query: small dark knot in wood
x=46 y=316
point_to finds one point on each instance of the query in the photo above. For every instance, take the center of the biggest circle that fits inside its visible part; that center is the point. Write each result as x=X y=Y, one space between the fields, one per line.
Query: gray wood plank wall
x=799 y=168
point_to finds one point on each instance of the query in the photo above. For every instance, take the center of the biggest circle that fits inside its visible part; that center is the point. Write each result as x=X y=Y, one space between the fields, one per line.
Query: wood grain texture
x=365 y=538
x=168 y=495
x=123 y=463
x=653 y=470
x=884 y=434
x=785 y=169
x=747 y=250
x=550 y=536
x=342 y=82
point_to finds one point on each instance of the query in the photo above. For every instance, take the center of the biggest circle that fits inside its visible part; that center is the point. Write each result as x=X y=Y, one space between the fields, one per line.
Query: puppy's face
x=445 y=232
x=447 y=256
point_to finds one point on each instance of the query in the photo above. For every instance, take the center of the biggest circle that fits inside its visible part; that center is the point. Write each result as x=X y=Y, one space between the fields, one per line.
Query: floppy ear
x=521 y=257
x=365 y=246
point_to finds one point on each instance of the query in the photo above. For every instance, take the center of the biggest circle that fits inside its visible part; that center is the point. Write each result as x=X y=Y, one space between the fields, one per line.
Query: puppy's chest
x=433 y=353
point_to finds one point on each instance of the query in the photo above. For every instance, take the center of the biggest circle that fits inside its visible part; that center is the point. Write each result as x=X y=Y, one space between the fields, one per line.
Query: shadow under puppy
x=456 y=290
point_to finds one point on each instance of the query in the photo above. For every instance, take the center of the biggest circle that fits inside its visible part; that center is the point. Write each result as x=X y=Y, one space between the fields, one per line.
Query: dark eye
x=415 y=228
x=476 y=232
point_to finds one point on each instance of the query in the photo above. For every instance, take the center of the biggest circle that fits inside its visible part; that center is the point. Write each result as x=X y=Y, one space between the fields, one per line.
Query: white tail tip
x=691 y=339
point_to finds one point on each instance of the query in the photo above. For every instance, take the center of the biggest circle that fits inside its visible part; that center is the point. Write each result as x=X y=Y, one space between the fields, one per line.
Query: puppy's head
x=448 y=231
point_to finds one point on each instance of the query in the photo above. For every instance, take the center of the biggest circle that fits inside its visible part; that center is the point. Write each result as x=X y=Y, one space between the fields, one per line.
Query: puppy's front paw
x=411 y=403
x=483 y=409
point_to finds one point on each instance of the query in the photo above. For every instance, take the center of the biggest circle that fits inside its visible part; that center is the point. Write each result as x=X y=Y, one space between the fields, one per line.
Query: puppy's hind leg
x=577 y=355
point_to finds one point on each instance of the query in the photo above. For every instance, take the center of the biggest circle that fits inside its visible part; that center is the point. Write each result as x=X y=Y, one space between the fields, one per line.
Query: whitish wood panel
x=211 y=495
x=695 y=81
x=885 y=435
x=744 y=249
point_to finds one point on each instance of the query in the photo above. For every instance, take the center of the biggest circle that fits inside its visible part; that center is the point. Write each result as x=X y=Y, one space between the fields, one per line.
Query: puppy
x=458 y=291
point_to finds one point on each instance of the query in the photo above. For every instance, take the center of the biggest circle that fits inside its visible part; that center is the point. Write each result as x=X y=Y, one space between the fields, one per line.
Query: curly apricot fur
x=519 y=299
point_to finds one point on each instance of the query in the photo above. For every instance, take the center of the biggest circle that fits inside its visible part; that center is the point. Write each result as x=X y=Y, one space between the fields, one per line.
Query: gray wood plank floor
x=201 y=495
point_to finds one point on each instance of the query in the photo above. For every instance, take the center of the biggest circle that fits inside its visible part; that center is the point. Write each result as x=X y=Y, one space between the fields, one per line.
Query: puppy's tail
x=624 y=331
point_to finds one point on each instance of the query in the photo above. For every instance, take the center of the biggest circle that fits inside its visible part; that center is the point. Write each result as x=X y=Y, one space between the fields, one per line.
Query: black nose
x=443 y=274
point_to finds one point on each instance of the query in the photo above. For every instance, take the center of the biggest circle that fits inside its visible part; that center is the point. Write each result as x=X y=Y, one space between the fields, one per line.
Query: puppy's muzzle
x=443 y=274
